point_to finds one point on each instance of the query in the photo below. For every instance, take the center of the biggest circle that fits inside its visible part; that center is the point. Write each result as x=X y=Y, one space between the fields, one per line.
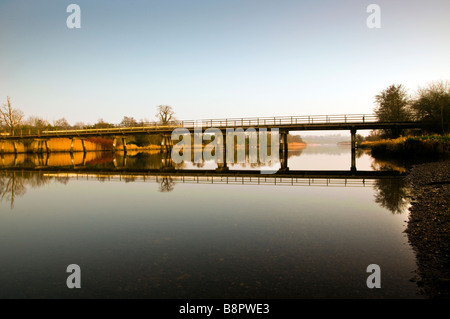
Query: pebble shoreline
x=428 y=228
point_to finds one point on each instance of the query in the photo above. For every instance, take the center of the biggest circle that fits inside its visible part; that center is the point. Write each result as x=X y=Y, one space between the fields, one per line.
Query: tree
x=393 y=105
x=37 y=122
x=165 y=114
x=11 y=117
x=101 y=124
x=61 y=124
x=128 y=122
x=79 y=125
x=432 y=106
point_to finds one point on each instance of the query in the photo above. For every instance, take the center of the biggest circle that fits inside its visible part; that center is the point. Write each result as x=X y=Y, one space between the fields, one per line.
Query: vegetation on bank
x=411 y=146
x=430 y=106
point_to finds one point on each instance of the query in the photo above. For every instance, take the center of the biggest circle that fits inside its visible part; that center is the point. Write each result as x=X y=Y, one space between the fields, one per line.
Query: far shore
x=62 y=145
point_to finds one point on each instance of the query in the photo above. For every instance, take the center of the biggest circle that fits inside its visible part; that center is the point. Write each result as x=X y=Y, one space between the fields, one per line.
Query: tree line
x=12 y=118
x=429 y=105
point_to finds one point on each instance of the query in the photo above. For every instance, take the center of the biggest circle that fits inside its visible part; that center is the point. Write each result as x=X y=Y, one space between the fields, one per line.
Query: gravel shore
x=428 y=228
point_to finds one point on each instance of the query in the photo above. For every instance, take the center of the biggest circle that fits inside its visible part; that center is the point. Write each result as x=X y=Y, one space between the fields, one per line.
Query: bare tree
x=79 y=125
x=37 y=122
x=11 y=117
x=61 y=124
x=165 y=114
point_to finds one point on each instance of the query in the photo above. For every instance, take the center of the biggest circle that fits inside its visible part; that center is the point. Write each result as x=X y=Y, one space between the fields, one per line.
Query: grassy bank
x=411 y=147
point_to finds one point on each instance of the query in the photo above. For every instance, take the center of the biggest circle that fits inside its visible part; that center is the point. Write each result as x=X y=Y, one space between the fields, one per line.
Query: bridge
x=284 y=124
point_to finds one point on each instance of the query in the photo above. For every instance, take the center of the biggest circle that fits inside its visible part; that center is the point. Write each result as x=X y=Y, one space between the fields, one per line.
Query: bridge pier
x=124 y=145
x=72 y=143
x=15 y=148
x=83 y=146
x=166 y=143
x=353 y=142
x=114 y=144
x=221 y=167
x=71 y=148
x=284 y=151
x=40 y=146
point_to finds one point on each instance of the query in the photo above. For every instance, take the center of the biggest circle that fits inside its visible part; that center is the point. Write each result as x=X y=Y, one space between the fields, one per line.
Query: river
x=144 y=236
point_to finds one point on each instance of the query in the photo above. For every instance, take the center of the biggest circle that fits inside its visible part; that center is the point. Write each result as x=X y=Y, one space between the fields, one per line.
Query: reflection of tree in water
x=62 y=179
x=166 y=184
x=10 y=187
x=14 y=184
x=392 y=194
x=129 y=179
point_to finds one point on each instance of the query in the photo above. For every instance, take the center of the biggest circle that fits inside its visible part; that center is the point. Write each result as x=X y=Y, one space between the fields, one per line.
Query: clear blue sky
x=215 y=58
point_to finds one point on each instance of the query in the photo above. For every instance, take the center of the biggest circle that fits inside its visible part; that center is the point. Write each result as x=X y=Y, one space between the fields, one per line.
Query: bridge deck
x=286 y=123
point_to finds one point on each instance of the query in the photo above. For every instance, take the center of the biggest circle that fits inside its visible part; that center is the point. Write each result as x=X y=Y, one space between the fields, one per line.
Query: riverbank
x=411 y=147
x=428 y=228
x=92 y=144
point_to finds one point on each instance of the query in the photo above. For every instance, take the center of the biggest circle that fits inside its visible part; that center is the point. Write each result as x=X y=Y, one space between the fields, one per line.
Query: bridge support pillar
x=47 y=150
x=166 y=143
x=71 y=147
x=39 y=148
x=83 y=146
x=36 y=148
x=114 y=144
x=353 y=136
x=284 y=151
x=124 y=144
x=223 y=166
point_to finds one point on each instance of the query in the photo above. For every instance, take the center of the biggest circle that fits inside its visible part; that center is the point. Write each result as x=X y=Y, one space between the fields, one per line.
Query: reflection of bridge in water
x=212 y=177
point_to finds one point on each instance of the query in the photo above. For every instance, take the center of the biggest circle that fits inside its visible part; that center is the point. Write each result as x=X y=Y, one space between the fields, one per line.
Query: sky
x=215 y=58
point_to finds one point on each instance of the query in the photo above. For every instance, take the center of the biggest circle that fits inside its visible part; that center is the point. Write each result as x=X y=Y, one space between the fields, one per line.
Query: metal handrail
x=205 y=123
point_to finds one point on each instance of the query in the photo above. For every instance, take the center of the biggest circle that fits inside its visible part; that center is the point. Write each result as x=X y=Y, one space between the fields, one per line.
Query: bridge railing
x=279 y=120
x=205 y=123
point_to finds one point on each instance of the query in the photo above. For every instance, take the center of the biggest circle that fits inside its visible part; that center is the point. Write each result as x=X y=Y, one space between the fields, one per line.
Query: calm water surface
x=166 y=239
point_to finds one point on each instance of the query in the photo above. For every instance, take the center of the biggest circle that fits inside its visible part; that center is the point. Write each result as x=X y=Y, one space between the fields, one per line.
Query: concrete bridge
x=349 y=122
x=285 y=124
